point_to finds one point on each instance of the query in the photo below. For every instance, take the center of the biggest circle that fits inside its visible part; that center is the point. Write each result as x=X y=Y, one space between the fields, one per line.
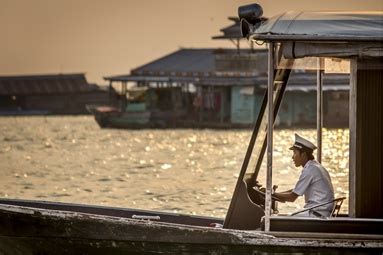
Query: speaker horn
x=252 y=13
x=245 y=28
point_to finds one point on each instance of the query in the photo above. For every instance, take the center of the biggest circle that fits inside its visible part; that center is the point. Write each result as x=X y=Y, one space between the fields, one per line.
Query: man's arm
x=286 y=196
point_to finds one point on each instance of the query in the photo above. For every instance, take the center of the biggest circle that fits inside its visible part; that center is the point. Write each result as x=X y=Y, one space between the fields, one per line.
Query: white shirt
x=315 y=184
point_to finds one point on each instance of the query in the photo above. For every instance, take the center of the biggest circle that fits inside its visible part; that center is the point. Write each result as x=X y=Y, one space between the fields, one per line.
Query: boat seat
x=337 y=204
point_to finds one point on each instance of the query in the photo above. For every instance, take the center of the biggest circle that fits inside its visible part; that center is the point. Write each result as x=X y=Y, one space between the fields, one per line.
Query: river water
x=70 y=159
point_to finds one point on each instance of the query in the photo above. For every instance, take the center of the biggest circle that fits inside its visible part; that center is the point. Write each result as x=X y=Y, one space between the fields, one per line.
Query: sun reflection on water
x=71 y=159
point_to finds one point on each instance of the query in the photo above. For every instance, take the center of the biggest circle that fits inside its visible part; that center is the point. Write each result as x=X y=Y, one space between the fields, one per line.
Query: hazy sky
x=110 y=37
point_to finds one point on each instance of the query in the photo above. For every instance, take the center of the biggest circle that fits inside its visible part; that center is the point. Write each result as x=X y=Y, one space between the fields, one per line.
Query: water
x=70 y=159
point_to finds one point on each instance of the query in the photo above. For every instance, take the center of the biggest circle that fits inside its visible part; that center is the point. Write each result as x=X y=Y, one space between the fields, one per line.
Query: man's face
x=297 y=158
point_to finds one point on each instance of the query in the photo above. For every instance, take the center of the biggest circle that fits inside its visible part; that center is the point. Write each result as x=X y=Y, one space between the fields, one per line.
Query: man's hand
x=286 y=196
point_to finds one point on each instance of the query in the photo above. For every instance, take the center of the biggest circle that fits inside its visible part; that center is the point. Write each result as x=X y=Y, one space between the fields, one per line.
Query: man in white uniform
x=314 y=182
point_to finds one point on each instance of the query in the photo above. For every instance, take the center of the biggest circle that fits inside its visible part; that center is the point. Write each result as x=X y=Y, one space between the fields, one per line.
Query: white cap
x=301 y=143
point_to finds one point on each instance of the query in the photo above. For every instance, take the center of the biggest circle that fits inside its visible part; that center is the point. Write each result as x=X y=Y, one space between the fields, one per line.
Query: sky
x=110 y=37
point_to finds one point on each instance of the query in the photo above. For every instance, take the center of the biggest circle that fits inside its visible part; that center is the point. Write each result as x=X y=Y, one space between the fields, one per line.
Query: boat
x=37 y=227
x=141 y=107
x=109 y=116
x=252 y=224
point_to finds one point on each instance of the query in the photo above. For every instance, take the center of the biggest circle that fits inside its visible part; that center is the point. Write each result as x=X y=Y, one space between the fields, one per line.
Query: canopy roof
x=230 y=32
x=322 y=26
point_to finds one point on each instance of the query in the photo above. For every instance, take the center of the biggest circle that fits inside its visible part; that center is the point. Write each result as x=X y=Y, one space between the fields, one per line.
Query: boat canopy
x=322 y=26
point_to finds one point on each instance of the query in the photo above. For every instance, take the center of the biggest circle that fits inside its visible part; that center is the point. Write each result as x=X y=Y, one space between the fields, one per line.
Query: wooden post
x=270 y=111
x=123 y=92
x=110 y=92
x=201 y=108
x=222 y=106
x=319 y=108
x=352 y=139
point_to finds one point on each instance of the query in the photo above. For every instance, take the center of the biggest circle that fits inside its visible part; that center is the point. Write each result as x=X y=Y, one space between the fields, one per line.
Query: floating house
x=177 y=94
x=49 y=94
x=215 y=88
x=218 y=88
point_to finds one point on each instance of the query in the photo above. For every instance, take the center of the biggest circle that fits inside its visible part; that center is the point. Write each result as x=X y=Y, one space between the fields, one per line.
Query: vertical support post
x=319 y=108
x=110 y=92
x=200 y=119
x=270 y=112
x=123 y=92
x=221 y=112
x=352 y=141
x=186 y=97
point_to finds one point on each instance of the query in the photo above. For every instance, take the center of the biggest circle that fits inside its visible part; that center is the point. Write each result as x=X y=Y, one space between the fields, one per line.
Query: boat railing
x=334 y=212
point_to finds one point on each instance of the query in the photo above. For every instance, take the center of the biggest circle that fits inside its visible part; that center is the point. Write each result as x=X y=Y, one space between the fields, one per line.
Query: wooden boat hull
x=29 y=230
x=24 y=230
x=107 y=116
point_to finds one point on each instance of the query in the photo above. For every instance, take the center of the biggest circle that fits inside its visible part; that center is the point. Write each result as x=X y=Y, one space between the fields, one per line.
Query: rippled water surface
x=189 y=171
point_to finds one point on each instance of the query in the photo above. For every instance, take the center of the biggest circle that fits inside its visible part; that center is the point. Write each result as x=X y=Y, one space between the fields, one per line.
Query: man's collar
x=307 y=163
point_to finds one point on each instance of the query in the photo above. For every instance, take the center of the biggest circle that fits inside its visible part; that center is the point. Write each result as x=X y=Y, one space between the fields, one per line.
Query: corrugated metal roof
x=182 y=62
x=322 y=26
x=182 y=65
x=185 y=62
x=148 y=78
x=44 y=84
x=137 y=78
x=187 y=65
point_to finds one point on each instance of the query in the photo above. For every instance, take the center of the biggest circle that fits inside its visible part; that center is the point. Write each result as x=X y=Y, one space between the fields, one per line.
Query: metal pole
x=270 y=111
x=110 y=92
x=201 y=107
x=222 y=107
x=319 y=108
x=123 y=103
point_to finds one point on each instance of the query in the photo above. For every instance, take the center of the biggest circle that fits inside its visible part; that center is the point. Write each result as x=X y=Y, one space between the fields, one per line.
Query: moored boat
x=31 y=227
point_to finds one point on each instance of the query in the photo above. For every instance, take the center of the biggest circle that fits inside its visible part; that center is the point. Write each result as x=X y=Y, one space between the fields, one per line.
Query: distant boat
x=108 y=116
x=252 y=224
x=142 y=107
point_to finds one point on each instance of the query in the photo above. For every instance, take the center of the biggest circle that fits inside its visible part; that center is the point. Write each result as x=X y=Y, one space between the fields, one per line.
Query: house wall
x=297 y=109
x=215 y=104
x=245 y=105
x=244 y=62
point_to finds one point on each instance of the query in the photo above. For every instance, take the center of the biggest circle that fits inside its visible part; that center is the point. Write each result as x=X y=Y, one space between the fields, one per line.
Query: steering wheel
x=263 y=194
